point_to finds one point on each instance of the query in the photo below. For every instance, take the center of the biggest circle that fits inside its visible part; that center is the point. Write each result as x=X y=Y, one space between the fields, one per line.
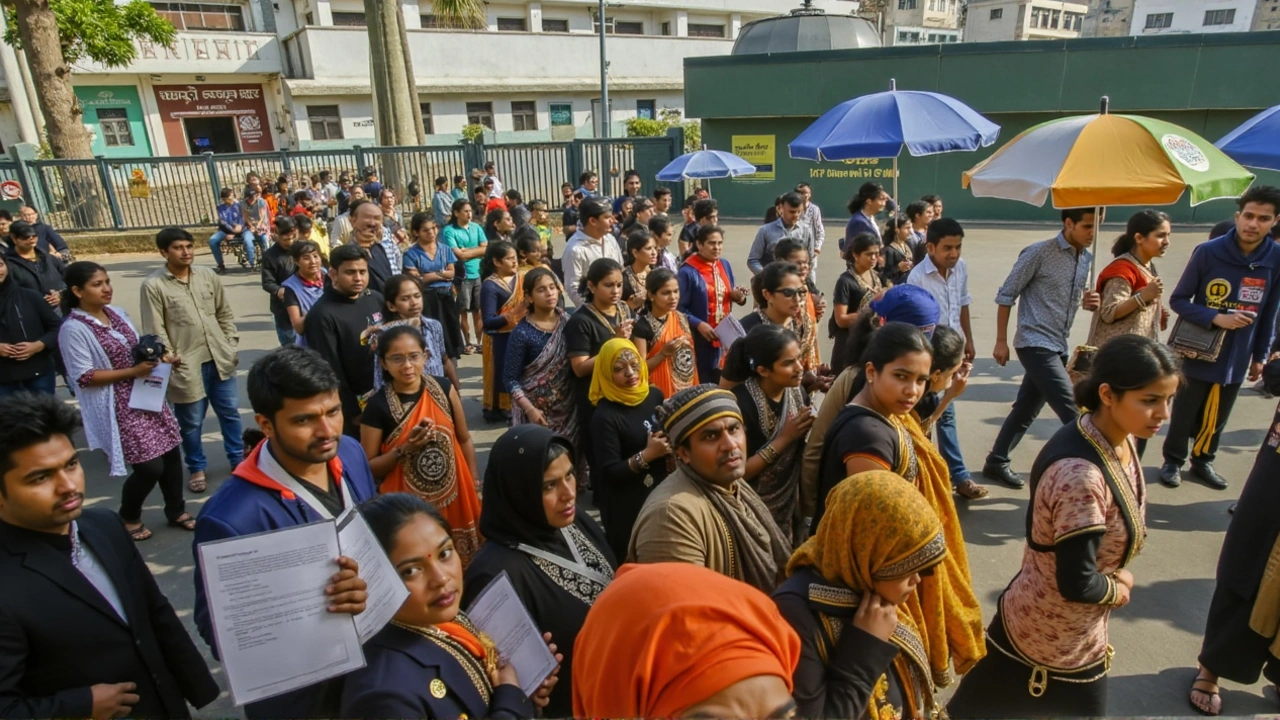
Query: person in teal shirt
x=468 y=242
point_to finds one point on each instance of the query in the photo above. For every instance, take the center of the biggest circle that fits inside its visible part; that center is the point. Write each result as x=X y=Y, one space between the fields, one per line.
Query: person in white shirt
x=943 y=273
x=812 y=215
x=491 y=173
x=590 y=243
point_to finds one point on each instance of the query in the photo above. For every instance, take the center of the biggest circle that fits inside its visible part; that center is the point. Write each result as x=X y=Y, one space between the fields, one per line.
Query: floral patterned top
x=1073 y=497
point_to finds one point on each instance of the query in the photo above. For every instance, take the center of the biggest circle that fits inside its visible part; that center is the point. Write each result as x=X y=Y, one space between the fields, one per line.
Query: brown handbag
x=1193 y=342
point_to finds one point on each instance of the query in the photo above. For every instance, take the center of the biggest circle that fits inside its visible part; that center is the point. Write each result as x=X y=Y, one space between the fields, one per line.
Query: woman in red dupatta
x=707 y=293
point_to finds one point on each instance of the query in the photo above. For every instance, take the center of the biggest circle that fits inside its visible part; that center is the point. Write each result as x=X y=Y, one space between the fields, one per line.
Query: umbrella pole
x=896 y=199
x=1097 y=235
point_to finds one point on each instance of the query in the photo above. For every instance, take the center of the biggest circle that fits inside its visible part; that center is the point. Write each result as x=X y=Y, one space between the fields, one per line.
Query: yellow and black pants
x=1200 y=412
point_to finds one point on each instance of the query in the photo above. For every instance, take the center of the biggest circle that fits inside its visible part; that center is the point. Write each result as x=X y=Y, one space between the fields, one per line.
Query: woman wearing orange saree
x=664 y=337
x=414 y=433
x=502 y=307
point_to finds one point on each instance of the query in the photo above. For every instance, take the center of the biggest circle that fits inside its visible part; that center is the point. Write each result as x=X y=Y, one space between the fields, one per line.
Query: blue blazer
x=396 y=683
x=693 y=302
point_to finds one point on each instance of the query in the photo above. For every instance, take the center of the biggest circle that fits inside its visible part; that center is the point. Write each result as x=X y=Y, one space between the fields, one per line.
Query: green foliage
x=645 y=127
x=667 y=119
x=692 y=135
x=473 y=133
x=100 y=30
x=459 y=14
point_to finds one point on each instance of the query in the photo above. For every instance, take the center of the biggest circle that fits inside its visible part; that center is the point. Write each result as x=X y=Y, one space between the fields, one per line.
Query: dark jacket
x=333 y=328
x=396 y=682
x=59 y=636
x=277 y=265
x=47 y=237
x=41 y=275
x=26 y=317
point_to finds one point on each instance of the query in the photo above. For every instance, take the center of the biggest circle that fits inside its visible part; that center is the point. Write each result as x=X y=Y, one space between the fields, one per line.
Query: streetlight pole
x=604 y=79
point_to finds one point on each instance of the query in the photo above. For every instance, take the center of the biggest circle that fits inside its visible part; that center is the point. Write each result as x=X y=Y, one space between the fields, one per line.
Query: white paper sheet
x=148 y=392
x=386 y=590
x=499 y=614
x=727 y=331
x=270 y=615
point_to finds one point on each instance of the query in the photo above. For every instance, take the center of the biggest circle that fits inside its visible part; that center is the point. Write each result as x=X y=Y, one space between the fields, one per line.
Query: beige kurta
x=1143 y=321
x=194 y=320
x=678 y=524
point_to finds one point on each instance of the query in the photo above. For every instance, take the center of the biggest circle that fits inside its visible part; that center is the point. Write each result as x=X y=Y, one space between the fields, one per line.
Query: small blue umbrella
x=705 y=165
x=881 y=124
x=1256 y=143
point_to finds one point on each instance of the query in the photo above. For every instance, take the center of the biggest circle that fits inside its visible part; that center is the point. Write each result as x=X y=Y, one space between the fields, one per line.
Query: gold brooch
x=437 y=689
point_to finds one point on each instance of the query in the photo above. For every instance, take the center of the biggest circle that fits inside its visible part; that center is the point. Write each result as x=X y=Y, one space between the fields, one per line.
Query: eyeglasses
x=414 y=358
x=789 y=293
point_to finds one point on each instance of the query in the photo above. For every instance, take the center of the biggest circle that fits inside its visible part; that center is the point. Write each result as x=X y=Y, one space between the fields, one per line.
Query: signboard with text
x=759 y=150
x=245 y=104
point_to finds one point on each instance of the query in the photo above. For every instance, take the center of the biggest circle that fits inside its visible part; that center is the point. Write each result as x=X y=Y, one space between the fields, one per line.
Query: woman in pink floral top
x=1047 y=645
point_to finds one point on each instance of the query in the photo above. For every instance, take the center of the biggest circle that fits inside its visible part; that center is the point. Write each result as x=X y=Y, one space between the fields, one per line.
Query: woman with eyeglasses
x=414 y=432
x=781 y=293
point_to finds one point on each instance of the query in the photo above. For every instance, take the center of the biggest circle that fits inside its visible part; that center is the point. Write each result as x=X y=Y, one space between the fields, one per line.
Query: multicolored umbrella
x=1103 y=160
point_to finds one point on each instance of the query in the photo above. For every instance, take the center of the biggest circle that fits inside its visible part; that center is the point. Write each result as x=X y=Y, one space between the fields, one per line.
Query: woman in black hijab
x=557 y=558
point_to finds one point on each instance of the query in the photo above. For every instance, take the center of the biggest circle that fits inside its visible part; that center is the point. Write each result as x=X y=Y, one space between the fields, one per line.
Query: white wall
x=1188 y=15
x=979 y=27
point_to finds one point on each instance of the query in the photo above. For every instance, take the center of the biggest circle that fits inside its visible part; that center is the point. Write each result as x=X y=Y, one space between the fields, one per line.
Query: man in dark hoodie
x=33 y=268
x=28 y=339
x=1229 y=283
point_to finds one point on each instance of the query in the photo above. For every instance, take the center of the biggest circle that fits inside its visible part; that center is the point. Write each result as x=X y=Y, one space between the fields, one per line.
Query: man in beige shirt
x=186 y=307
x=703 y=513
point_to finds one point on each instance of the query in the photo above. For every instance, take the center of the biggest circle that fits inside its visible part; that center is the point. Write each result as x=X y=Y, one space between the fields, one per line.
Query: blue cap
x=909 y=304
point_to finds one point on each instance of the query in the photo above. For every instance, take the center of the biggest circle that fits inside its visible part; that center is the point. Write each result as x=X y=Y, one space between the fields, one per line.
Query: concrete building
x=1266 y=15
x=1000 y=20
x=1162 y=17
x=922 y=22
x=253 y=75
x=1107 y=18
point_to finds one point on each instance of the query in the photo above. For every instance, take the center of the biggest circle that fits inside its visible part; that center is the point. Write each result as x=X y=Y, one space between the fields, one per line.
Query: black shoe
x=1205 y=472
x=1004 y=474
x=1170 y=475
x=1232 y=510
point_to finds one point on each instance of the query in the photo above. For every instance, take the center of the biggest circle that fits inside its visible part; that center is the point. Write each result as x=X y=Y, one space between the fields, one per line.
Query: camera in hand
x=148 y=349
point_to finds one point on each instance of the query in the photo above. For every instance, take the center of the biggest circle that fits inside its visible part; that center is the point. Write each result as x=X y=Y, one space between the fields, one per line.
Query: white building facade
x=257 y=75
x=923 y=22
x=1160 y=17
x=1003 y=20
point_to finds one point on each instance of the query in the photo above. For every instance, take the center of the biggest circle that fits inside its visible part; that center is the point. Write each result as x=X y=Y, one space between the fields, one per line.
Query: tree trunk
x=397 y=118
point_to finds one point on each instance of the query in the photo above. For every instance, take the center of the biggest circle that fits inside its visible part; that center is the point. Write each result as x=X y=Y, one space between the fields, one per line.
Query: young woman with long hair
x=434 y=264
x=502 y=306
x=664 y=335
x=641 y=255
x=536 y=372
x=1131 y=288
x=857 y=285
x=404 y=300
x=897 y=250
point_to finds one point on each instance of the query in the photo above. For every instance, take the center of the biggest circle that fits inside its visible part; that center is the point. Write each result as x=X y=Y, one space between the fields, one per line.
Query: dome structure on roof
x=805 y=29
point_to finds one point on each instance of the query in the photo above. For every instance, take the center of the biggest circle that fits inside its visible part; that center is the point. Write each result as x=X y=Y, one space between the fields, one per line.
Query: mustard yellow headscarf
x=602 y=385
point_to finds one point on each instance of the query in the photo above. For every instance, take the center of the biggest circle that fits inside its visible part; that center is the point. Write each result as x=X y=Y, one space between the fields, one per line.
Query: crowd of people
x=796 y=518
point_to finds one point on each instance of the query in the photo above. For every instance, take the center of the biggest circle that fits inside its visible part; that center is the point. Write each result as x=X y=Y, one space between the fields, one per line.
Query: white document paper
x=499 y=614
x=386 y=590
x=727 y=331
x=148 y=392
x=270 y=615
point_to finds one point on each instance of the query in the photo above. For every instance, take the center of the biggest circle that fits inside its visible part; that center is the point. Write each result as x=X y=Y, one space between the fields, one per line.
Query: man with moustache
x=370 y=233
x=703 y=514
x=304 y=471
x=340 y=228
x=84 y=629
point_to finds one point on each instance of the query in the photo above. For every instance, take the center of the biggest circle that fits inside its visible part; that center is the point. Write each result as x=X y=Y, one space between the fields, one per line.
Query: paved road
x=1156 y=637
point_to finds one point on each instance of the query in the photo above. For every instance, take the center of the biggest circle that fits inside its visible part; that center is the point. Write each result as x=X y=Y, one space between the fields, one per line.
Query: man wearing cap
x=703 y=514
x=372 y=188
x=944 y=275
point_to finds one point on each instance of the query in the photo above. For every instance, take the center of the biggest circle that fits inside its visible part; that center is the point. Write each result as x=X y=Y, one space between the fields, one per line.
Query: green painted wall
x=93 y=97
x=1206 y=83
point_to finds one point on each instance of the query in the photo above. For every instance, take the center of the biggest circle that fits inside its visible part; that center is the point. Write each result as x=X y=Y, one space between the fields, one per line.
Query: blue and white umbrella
x=881 y=124
x=1256 y=143
x=705 y=165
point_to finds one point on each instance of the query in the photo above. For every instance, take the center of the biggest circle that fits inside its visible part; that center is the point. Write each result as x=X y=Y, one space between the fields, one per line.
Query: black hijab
x=512 y=510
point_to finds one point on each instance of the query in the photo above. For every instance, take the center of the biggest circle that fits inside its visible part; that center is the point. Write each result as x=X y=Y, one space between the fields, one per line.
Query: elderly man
x=340 y=228
x=370 y=233
x=703 y=514
x=46 y=237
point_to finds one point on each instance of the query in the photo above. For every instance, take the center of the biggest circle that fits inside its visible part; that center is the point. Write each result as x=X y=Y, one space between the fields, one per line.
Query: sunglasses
x=789 y=293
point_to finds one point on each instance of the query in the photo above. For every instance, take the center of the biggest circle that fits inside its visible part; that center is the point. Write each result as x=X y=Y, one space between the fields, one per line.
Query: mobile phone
x=1248 y=313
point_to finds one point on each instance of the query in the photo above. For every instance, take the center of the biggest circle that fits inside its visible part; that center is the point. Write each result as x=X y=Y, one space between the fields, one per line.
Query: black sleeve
x=50 y=321
x=1077 y=574
x=56 y=240
x=928 y=404
x=643 y=330
x=324 y=338
x=577 y=337
x=866 y=435
x=842 y=687
x=608 y=448
x=291 y=298
x=750 y=418
x=843 y=294
x=378 y=415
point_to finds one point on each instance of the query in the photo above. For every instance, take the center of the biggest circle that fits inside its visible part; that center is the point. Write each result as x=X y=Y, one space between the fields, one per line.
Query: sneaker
x=1171 y=475
x=221 y=269
x=1205 y=472
x=1004 y=474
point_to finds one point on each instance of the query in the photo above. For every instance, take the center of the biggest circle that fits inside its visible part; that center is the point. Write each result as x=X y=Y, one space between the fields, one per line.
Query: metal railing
x=155 y=192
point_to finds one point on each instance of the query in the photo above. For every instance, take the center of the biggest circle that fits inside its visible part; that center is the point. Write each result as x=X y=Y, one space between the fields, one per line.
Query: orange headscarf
x=695 y=633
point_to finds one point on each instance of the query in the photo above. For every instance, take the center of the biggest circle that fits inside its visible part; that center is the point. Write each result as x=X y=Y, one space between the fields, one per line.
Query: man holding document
x=305 y=472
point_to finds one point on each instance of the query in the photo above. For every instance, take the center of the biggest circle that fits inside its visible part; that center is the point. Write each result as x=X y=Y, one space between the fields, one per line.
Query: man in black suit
x=84 y=629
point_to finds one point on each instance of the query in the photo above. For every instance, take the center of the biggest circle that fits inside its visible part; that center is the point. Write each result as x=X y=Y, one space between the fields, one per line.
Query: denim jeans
x=222 y=394
x=46 y=384
x=947 y=440
x=286 y=336
x=252 y=245
x=1045 y=381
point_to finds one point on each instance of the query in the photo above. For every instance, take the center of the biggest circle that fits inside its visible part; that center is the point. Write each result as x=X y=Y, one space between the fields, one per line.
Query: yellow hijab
x=602 y=384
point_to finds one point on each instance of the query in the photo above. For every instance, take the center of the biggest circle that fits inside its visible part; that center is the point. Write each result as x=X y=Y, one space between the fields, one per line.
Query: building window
x=1219 y=17
x=705 y=30
x=114 y=123
x=628 y=28
x=560 y=26
x=996 y=13
x=561 y=114
x=1054 y=19
x=201 y=16
x=428 y=126
x=326 y=122
x=666 y=28
x=1076 y=21
x=524 y=115
x=932 y=5
x=480 y=113
x=1159 y=21
x=512 y=25
x=348 y=19
x=906 y=4
x=647 y=109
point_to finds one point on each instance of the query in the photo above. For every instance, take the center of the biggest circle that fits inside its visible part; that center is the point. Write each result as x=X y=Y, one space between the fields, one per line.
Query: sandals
x=1201 y=685
x=970 y=490
x=184 y=521
x=140 y=533
x=470 y=349
x=198 y=483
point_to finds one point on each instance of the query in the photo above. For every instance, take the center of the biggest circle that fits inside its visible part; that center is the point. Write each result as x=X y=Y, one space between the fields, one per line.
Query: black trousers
x=1045 y=380
x=1231 y=649
x=1200 y=412
x=165 y=471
